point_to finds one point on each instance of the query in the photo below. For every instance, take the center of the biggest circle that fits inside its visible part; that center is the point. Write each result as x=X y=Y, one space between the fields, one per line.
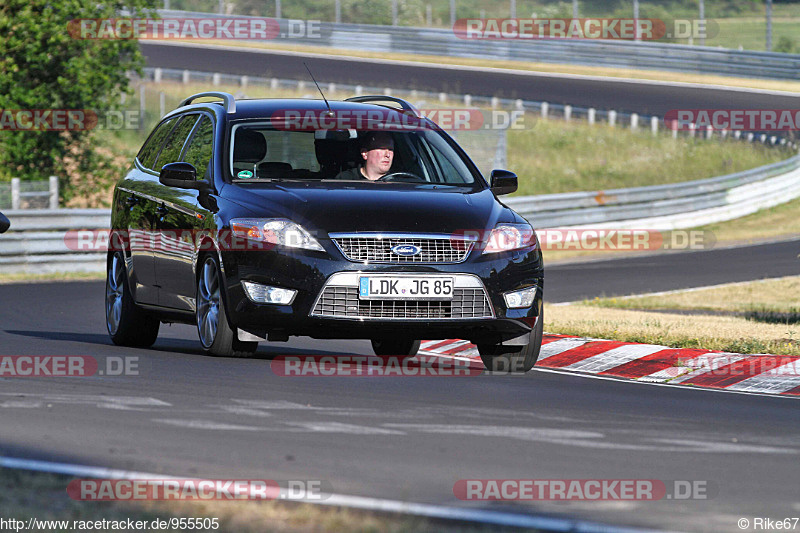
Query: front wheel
x=512 y=359
x=402 y=347
x=216 y=335
x=127 y=324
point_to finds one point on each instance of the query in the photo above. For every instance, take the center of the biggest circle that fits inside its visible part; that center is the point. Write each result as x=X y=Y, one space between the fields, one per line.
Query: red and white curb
x=764 y=374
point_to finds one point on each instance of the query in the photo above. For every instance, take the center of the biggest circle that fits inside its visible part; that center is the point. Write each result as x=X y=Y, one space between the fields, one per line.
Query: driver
x=377 y=150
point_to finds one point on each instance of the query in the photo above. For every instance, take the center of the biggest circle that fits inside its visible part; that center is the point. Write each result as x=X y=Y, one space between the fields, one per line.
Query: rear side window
x=147 y=155
x=174 y=145
x=199 y=151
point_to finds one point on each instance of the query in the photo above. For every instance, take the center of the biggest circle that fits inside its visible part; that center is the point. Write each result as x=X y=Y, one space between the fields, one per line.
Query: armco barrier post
x=634 y=121
x=612 y=118
x=590 y=116
x=545 y=109
x=142 y=106
x=14 y=193
x=53 y=192
x=567 y=113
x=185 y=77
x=654 y=125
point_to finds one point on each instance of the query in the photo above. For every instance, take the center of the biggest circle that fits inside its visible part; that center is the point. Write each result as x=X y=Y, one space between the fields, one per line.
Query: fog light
x=264 y=294
x=523 y=298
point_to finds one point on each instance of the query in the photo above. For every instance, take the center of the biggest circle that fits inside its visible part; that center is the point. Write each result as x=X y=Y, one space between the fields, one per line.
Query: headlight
x=507 y=237
x=275 y=231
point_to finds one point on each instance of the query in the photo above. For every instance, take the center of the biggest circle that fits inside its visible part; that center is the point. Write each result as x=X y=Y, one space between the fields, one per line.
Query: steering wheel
x=406 y=177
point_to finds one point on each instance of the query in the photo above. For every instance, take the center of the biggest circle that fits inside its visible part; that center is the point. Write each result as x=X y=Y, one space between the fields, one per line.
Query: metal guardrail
x=19 y=194
x=37 y=241
x=618 y=54
x=641 y=203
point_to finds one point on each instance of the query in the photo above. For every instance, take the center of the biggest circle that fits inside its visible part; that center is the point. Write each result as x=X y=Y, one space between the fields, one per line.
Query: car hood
x=391 y=207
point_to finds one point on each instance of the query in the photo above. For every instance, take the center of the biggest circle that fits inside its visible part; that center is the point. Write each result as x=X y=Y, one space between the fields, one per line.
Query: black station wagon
x=262 y=219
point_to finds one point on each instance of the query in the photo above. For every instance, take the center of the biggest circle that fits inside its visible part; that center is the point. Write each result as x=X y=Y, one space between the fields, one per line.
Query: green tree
x=44 y=66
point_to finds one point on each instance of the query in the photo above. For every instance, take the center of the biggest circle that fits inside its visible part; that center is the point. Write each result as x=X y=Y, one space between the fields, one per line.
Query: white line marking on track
x=338 y=427
x=205 y=425
x=481 y=516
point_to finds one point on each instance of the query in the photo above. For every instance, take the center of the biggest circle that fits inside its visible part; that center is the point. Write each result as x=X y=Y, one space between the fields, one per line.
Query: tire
x=216 y=335
x=127 y=324
x=401 y=347
x=498 y=358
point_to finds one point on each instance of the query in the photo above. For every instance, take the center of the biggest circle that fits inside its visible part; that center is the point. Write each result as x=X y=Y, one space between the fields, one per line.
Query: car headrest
x=273 y=169
x=329 y=151
x=249 y=146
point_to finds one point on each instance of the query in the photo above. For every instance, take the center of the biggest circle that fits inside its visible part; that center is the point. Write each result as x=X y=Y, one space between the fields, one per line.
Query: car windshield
x=259 y=151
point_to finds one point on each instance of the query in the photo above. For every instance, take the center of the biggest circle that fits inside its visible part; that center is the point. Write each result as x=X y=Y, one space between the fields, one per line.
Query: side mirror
x=503 y=182
x=182 y=175
x=4 y=223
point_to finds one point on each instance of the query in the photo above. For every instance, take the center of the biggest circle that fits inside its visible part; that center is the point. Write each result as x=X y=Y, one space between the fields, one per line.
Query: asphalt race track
x=407 y=438
x=413 y=438
x=631 y=96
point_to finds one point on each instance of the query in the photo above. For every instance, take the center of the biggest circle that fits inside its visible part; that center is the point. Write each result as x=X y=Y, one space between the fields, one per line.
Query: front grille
x=343 y=302
x=378 y=249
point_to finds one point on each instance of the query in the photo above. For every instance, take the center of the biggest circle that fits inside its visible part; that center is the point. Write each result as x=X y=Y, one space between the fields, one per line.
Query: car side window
x=200 y=147
x=147 y=155
x=174 y=145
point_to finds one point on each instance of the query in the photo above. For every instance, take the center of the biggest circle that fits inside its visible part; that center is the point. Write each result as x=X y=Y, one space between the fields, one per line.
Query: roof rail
x=383 y=98
x=230 y=101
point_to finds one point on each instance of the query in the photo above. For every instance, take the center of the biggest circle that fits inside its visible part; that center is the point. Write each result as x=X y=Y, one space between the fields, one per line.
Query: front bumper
x=309 y=273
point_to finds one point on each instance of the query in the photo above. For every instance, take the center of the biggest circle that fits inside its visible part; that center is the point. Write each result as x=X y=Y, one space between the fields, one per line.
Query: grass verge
x=753 y=317
x=724 y=333
x=43 y=496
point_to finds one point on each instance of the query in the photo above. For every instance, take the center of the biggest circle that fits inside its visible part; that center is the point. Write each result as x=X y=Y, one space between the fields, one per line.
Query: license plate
x=405 y=288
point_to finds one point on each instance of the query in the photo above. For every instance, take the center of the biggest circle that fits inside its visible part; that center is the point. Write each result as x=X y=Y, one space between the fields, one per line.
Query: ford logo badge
x=406 y=250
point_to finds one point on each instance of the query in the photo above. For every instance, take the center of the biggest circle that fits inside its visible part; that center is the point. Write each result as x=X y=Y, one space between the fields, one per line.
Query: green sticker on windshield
x=244 y=174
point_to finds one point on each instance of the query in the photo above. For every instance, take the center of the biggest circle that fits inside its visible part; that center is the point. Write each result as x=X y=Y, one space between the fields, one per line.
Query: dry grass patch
x=43 y=496
x=772 y=294
x=725 y=333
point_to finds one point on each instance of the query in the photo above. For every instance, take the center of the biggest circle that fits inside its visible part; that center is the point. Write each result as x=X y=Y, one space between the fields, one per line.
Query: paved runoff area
x=761 y=374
